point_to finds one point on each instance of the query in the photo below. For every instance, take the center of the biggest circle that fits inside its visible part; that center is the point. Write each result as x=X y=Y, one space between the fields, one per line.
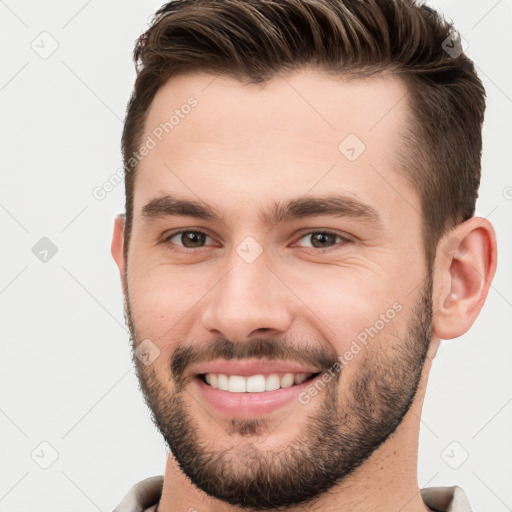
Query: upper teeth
x=254 y=383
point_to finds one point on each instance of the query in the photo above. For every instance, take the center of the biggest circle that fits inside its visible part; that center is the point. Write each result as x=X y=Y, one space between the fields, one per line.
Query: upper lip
x=251 y=367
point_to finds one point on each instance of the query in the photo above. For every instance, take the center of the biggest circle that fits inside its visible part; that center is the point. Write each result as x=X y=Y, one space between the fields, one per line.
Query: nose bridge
x=247 y=298
x=247 y=282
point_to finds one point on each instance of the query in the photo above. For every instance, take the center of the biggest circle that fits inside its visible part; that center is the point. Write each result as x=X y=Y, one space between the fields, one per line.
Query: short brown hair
x=253 y=40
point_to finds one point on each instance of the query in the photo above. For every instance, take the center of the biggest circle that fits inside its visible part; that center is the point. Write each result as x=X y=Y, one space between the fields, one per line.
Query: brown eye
x=189 y=239
x=322 y=239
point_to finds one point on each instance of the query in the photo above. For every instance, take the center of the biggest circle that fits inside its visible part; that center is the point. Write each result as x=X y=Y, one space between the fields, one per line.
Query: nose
x=248 y=301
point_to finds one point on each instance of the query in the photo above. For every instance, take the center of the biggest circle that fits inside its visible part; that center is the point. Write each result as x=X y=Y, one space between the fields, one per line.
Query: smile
x=254 y=383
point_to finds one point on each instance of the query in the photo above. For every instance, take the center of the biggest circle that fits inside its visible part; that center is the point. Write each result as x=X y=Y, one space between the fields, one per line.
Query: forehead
x=217 y=138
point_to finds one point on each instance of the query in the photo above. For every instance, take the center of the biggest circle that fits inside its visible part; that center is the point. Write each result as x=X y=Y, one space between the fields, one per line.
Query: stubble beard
x=349 y=425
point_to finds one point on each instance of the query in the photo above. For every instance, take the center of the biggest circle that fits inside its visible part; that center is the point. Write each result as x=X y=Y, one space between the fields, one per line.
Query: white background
x=65 y=371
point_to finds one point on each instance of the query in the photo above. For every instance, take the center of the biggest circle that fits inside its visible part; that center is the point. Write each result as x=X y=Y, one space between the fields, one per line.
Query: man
x=301 y=178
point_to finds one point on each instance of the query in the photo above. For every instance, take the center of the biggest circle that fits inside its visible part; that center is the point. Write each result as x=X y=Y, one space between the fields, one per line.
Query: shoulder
x=446 y=499
x=143 y=496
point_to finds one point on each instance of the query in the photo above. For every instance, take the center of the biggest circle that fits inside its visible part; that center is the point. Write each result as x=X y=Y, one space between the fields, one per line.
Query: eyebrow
x=293 y=209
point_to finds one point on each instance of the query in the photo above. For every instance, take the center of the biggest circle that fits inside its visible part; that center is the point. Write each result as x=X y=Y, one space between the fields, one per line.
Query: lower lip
x=246 y=405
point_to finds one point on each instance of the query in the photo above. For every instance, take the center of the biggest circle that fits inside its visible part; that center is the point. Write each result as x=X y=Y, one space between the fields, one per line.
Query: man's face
x=265 y=295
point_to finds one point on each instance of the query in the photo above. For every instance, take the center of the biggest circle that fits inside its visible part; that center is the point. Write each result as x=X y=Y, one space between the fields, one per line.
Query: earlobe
x=117 y=246
x=465 y=266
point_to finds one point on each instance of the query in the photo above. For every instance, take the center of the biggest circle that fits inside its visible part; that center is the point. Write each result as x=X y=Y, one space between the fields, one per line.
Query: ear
x=117 y=247
x=465 y=266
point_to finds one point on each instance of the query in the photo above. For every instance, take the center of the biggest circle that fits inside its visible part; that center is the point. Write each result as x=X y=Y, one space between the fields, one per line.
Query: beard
x=351 y=422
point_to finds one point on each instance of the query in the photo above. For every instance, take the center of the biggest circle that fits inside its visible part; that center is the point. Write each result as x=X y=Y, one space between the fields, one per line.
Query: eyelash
x=179 y=248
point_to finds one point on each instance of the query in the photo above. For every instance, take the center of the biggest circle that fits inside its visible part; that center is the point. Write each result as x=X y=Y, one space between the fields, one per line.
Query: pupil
x=323 y=238
x=193 y=237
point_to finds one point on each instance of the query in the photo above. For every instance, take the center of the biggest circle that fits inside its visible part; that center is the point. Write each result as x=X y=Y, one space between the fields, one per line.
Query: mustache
x=263 y=349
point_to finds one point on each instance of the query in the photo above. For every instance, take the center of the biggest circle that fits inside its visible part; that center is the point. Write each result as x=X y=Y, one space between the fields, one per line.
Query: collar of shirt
x=145 y=495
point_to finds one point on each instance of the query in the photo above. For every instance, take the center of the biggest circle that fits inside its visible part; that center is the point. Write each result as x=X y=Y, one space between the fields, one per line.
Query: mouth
x=259 y=383
x=250 y=389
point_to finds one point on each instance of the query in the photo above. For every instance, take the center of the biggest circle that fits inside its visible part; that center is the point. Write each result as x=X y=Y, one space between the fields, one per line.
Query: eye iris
x=323 y=238
x=195 y=238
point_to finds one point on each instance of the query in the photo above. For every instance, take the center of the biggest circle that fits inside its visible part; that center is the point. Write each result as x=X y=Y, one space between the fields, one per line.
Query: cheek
x=355 y=311
x=348 y=297
x=351 y=313
x=162 y=298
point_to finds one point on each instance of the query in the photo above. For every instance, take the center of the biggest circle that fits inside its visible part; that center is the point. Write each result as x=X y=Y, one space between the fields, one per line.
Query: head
x=253 y=128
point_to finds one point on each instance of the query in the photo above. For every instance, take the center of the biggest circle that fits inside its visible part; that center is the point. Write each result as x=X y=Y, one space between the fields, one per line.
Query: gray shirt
x=144 y=497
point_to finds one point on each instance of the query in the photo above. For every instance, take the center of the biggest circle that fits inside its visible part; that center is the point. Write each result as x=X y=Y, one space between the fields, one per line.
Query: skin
x=241 y=149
